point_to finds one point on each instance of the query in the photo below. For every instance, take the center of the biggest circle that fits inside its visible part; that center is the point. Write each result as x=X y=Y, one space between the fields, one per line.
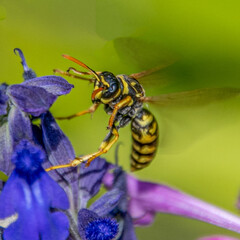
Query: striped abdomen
x=145 y=139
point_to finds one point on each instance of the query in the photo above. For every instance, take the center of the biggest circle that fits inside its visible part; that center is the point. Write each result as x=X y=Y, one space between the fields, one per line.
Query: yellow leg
x=91 y=80
x=92 y=109
x=80 y=72
x=123 y=103
x=107 y=143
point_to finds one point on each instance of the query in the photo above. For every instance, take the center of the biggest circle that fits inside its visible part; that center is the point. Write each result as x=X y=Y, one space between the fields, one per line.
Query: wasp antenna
x=82 y=64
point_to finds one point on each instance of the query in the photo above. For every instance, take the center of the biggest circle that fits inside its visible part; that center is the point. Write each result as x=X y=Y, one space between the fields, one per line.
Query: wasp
x=123 y=98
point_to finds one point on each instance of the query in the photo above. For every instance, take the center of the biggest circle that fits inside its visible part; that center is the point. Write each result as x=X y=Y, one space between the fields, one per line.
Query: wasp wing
x=193 y=97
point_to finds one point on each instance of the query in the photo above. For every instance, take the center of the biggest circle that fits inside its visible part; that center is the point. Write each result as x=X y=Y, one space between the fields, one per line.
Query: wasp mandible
x=123 y=97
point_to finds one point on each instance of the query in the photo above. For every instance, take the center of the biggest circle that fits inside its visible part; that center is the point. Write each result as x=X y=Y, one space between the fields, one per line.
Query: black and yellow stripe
x=145 y=140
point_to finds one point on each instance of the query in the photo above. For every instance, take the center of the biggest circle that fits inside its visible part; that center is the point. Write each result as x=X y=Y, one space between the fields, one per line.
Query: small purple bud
x=28 y=72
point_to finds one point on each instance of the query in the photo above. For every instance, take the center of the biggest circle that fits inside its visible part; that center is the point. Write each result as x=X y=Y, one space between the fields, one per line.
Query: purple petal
x=218 y=237
x=147 y=219
x=19 y=125
x=90 y=179
x=28 y=72
x=52 y=84
x=104 y=205
x=128 y=229
x=3 y=99
x=151 y=197
x=58 y=147
x=31 y=99
x=6 y=149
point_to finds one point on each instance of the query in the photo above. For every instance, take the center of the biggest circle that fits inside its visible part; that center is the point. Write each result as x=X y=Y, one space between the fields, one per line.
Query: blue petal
x=53 y=193
x=28 y=72
x=11 y=192
x=31 y=99
x=104 y=205
x=38 y=224
x=90 y=179
x=58 y=147
x=52 y=84
x=19 y=125
x=3 y=99
x=60 y=231
x=128 y=232
x=120 y=183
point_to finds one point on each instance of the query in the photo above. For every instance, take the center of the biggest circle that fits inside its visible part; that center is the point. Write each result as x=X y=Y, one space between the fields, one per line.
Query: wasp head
x=106 y=88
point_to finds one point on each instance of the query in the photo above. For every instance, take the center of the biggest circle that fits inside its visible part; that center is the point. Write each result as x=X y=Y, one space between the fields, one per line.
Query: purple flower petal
x=31 y=99
x=52 y=84
x=19 y=126
x=58 y=147
x=147 y=219
x=6 y=165
x=218 y=237
x=3 y=99
x=90 y=179
x=104 y=205
x=128 y=232
x=146 y=197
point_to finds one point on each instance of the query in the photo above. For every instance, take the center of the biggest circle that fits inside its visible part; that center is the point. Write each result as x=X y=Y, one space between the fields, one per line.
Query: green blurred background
x=199 y=149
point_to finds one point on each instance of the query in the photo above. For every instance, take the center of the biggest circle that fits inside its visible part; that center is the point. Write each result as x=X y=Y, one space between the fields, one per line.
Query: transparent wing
x=154 y=76
x=193 y=97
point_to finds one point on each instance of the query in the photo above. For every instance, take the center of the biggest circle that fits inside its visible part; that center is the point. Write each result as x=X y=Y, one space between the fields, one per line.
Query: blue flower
x=32 y=97
x=92 y=222
x=34 y=197
x=35 y=214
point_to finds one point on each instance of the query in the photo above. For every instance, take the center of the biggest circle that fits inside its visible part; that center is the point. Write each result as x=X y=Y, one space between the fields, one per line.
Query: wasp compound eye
x=113 y=87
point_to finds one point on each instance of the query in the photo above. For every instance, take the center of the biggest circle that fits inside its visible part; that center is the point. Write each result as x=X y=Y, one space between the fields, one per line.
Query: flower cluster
x=36 y=204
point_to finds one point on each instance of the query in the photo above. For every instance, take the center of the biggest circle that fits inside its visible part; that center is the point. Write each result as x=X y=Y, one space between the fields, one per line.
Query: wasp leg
x=80 y=72
x=92 y=109
x=73 y=163
x=123 y=103
x=107 y=143
x=91 y=80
